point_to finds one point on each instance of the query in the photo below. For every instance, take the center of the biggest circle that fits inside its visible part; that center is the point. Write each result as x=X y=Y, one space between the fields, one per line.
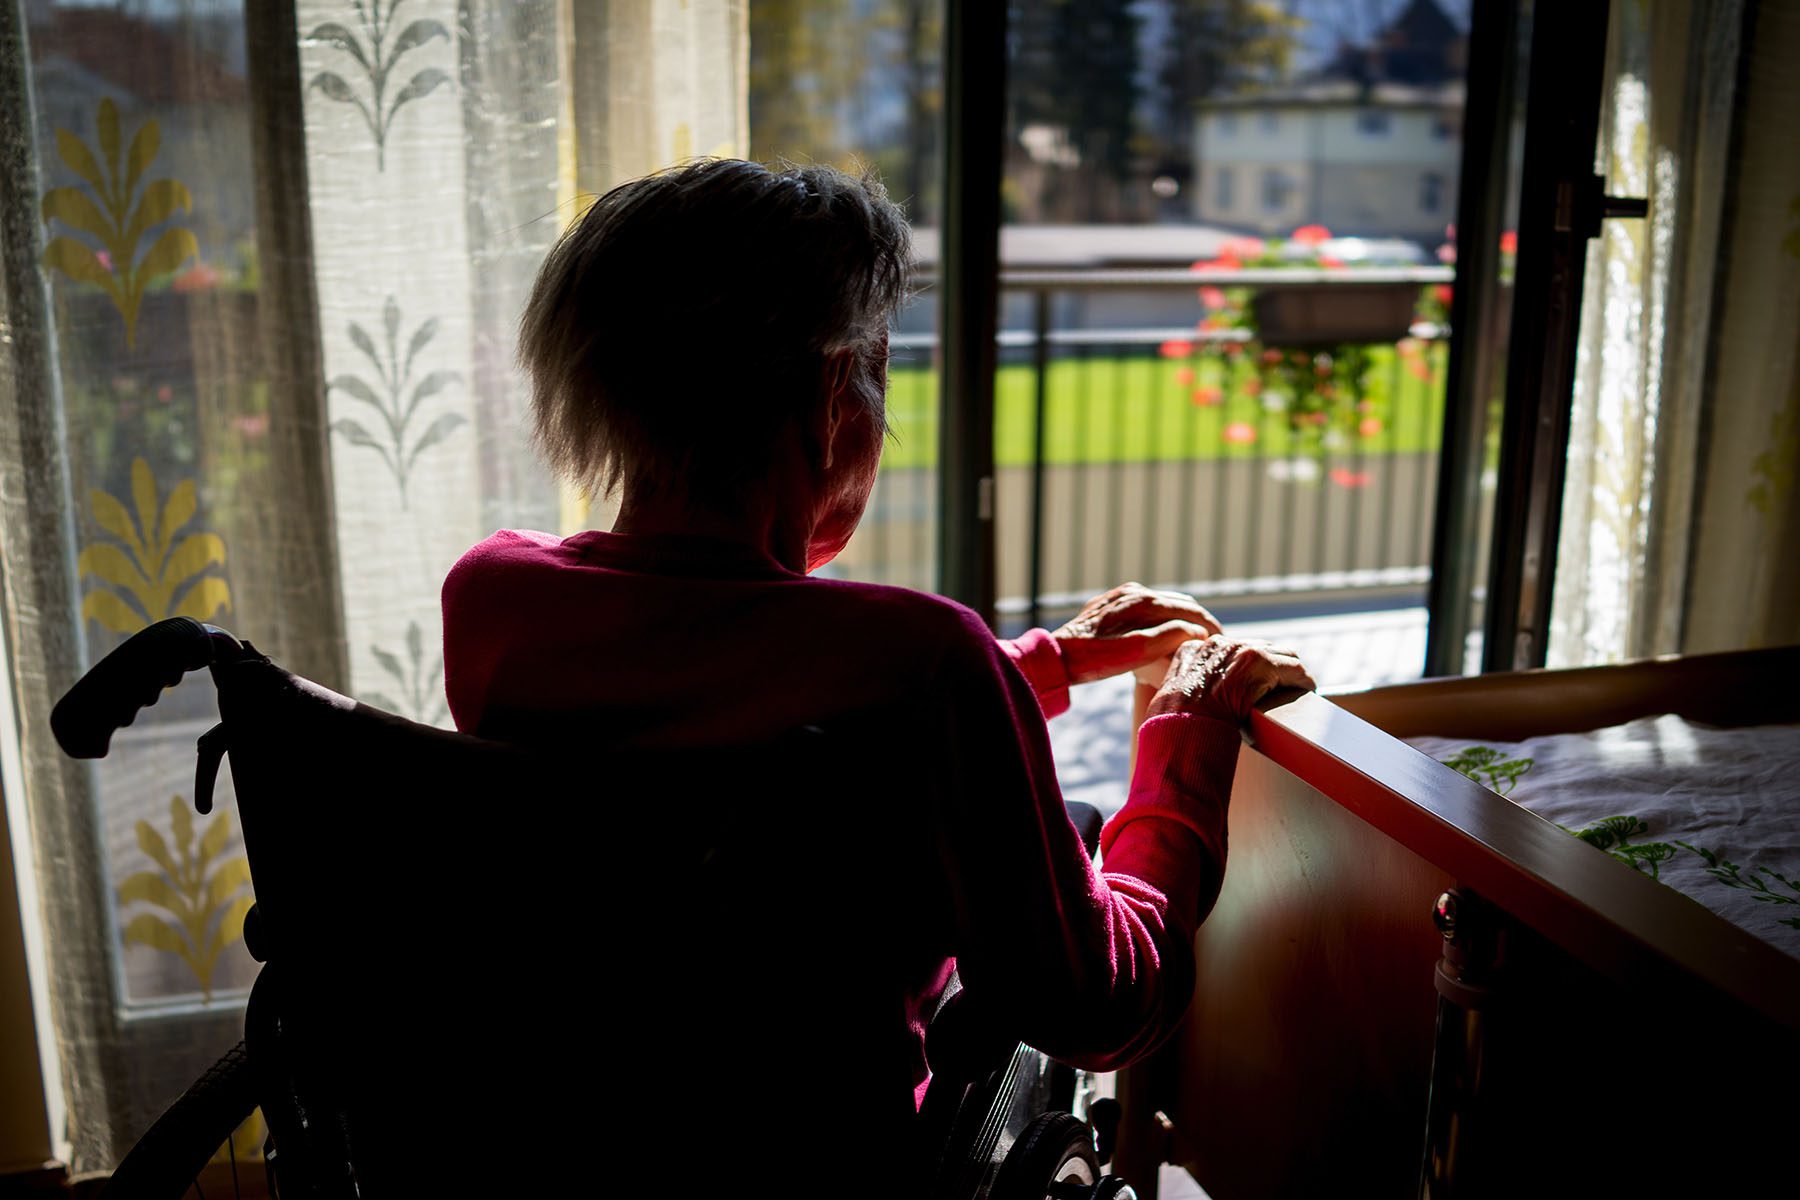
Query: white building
x=1369 y=146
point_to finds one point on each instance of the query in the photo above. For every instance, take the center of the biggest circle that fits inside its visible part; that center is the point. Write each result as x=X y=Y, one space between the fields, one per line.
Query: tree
x=1215 y=47
x=803 y=73
x=841 y=80
x=1075 y=67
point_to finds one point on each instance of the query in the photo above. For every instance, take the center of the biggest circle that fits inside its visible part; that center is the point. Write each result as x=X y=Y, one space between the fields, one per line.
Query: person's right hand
x=1224 y=678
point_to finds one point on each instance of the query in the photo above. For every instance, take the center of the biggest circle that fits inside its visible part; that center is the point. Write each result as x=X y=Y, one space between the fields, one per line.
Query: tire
x=1055 y=1148
x=174 y=1150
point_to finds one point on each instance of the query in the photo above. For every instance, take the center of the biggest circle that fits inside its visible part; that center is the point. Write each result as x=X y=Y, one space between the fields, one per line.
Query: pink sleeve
x=1092 y=967
x=1039 y=658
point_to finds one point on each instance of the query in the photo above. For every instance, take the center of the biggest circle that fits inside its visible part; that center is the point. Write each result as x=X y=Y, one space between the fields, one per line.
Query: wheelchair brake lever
x=210 y=750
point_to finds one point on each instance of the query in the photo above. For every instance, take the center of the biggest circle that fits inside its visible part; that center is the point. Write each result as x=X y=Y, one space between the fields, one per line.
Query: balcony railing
x=1130 y=443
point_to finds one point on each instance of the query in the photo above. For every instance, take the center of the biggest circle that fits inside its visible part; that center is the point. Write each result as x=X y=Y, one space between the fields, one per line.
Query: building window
x=1276 y=187
x=1373 y=122
x=1443 y=129
x=1431 y=192
x=1270 y=122
x=1227 y=124
x=1224 y=182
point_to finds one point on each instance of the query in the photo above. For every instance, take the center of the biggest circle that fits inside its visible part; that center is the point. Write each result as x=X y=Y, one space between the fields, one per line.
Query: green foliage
x=1215 y=48
x=1117 y=408
x=394 y=397
x=375 y=55
x=1074 y=65
x=199 y=892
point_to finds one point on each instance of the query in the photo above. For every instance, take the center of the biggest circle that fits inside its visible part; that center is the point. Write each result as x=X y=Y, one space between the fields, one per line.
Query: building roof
x=1342 y=93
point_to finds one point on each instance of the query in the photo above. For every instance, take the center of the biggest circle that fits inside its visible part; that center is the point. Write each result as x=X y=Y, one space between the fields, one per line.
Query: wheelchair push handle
x=131 y=678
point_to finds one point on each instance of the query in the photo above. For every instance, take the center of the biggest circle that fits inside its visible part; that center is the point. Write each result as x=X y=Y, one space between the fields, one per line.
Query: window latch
x=1581 y=206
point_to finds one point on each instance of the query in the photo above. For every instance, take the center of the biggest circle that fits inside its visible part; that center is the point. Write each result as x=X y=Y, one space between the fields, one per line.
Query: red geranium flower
x=1240 y=433
x=1184 y=376
x=1176 y=348
x=1212 y=297
x=1312 y=235
x=1208 y=397
x=196 y=278
x=1509 y=242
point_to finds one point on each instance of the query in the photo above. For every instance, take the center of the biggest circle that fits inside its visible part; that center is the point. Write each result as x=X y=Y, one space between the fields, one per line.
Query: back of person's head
x=681 y=326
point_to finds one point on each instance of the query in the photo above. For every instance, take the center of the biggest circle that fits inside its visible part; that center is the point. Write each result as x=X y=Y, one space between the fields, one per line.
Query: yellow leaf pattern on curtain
x=201 y=895
x=112 y=213
x=157 y=575
x=1773 y=468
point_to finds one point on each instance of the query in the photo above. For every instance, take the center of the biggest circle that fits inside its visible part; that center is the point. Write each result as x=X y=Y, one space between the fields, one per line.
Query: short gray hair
x=677 y=328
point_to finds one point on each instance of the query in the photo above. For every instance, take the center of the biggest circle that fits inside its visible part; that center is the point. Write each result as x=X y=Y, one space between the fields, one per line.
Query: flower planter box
x=1330 y=314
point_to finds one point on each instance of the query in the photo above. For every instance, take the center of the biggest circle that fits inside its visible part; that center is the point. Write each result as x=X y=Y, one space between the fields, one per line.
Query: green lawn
x=1142 y=408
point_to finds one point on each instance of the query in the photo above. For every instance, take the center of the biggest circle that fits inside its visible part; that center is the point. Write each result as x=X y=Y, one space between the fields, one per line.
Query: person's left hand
x=1131 y=628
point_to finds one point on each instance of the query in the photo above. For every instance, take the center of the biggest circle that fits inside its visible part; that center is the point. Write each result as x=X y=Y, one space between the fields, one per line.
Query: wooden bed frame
x=1581 y=1029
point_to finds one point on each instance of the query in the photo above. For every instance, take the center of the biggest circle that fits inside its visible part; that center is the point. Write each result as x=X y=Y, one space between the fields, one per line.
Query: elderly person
x=712 y=342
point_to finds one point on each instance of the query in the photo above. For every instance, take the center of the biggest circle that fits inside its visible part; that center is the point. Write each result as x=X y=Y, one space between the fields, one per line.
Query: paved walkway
x=1344 y=652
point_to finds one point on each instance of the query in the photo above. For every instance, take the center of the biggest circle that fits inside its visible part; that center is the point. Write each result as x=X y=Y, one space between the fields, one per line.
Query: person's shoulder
x=937 y=624
x=499 y=556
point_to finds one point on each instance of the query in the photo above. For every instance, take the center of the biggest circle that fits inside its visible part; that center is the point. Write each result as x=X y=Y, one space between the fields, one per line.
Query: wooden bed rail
x=1306 y=1064
x=1622 y=923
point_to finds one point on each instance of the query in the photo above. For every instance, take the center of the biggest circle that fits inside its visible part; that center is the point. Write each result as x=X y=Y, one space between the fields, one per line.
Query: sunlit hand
x=1131 y=628
x=1224 y=678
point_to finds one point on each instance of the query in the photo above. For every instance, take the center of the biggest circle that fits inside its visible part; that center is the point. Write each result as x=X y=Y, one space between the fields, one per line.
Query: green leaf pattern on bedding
x=1751 y=880
x=1613 y=835
x=1488 y=767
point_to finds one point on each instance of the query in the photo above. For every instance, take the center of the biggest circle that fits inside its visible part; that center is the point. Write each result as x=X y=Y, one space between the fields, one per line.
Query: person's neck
x=757 y=525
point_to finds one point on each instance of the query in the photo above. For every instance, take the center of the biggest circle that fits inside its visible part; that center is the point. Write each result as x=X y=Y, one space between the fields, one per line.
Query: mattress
x=1713 y=813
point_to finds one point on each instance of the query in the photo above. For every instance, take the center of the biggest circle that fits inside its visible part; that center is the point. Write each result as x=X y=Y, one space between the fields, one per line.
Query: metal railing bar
x=1261 y=585
x=1040 y=408
x=1019 y=279
x=1145 y=336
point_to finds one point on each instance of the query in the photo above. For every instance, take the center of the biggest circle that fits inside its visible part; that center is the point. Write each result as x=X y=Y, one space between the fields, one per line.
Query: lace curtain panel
x=1685 y=431
x=262 y=269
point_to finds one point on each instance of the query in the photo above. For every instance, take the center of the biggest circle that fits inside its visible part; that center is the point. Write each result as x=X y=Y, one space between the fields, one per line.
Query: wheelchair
x=472 y=949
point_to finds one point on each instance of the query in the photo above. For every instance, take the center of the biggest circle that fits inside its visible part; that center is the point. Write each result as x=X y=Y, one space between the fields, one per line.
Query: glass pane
x=1227 y=371
x=854 y=83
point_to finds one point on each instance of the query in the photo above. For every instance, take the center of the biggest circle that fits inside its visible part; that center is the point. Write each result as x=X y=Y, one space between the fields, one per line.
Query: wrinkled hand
x=1131 y=628
x=1224 y=678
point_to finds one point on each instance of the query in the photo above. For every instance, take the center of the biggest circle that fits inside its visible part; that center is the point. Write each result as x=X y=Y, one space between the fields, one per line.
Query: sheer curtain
x=1686 y=360
x=263 y=265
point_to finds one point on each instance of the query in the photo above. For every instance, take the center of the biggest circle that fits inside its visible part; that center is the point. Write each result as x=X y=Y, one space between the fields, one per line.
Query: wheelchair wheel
x=1056 y=1148
x=172 y=1156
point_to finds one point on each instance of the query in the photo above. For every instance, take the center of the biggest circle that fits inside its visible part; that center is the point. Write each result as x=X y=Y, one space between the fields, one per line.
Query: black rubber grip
x=132 y=677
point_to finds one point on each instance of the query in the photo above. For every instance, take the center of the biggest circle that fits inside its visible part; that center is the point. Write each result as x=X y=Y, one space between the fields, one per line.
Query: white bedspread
x=1712 y=812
